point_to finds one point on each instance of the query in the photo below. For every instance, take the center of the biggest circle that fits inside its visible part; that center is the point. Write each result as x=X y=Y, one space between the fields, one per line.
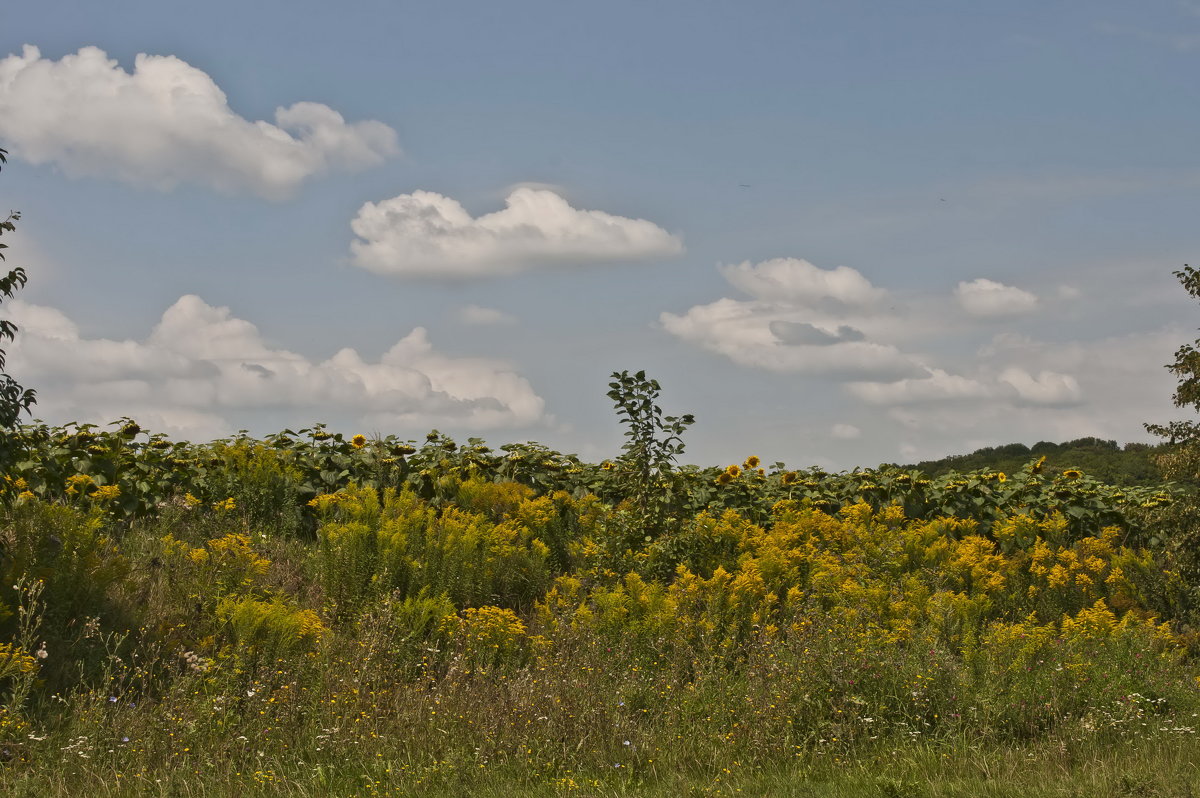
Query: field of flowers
x=314 y=614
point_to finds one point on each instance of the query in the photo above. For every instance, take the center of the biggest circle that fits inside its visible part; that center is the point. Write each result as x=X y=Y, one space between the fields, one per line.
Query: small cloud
x=988 y=298
x=845 y=432
x=798 y=282
x=484 y=317
x=1069 y=292
x=424 y=234
x=168 y=122
x=938 y=386
x=1047 y=388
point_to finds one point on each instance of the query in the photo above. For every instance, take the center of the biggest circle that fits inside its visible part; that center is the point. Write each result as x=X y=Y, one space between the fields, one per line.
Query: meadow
x=313 y=614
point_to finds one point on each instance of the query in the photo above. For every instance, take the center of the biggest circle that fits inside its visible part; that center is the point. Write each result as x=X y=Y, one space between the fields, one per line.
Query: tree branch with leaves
x=13 y=398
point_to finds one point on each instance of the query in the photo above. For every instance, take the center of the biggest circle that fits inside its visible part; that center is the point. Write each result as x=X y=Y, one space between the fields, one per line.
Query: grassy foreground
x=1156 y=767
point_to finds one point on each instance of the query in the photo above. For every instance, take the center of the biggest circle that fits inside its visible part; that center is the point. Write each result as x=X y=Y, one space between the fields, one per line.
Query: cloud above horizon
x=200 y=365
x=167 y=123
x=988 y=298
x=803 y=319
x=428 y=235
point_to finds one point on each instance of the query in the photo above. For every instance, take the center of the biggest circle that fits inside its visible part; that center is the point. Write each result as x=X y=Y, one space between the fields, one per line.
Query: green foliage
x=1187 y=368
x=652 y=443
x=13 y=398
x=1134 y=464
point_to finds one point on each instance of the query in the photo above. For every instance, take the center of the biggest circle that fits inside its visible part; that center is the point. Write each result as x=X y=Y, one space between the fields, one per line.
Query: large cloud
x=167 y=122
x=201 y=367
x=424 y=234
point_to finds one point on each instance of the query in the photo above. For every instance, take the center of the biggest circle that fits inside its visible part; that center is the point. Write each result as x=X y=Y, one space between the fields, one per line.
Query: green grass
x=1157 y=766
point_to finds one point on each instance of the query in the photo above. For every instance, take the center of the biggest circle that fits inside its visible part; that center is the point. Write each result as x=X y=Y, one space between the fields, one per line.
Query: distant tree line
x=1106 y=460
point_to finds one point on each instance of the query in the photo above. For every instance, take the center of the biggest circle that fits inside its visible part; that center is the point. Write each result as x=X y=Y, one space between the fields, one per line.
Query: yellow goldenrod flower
x=106 y=493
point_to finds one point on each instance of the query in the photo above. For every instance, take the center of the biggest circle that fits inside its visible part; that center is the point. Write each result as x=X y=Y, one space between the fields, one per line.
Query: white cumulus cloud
x=424 y=234
x=166 y=123
x=938 y=386
x=796 y=281
x=201 y=367
x=984 y=297
x=802 y=319
x=1047 y=388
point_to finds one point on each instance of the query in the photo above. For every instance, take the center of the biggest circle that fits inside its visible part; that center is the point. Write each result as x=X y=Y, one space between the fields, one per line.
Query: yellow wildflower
x=106 y=493
x=358 y=441
x=733 y=471
x=751 y=462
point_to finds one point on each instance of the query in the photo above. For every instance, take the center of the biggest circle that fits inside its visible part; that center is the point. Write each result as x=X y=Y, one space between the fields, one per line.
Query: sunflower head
x=724 y=478
x=733 y=471
x=358 y=441
x=788 y=478
x=1072 y=473
x=1037 y=467
x=751 y=462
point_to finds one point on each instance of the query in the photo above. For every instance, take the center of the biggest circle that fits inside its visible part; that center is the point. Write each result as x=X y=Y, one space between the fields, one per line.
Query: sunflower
x=1000 y=475
x=788 y=478
x=358 y=441
x=751 y=462
x=725 y=478
x=1037 y=467
x=1072 y=473
x=607 y=465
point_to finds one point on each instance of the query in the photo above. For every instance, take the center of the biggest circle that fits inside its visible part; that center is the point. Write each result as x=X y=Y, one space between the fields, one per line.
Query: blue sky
x=839 y=233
